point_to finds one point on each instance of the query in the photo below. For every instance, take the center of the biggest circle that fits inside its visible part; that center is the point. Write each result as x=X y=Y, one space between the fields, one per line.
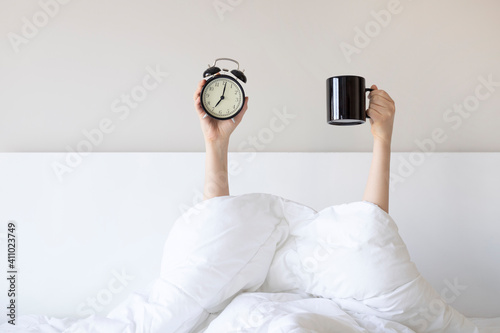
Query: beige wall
x=69 y=72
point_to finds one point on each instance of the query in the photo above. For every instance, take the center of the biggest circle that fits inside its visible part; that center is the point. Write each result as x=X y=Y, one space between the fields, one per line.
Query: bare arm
x=381 y=112
x=216 y=134
x=216 y=178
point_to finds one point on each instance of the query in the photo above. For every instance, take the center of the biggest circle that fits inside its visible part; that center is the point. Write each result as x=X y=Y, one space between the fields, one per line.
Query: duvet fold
x=261 y=263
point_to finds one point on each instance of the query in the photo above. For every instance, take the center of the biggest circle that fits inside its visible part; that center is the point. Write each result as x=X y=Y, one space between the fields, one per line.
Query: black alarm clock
x=222 y=96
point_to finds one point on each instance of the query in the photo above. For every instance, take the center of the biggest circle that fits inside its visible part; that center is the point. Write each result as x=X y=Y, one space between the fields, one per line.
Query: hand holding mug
x=381 y=112
x=346 y=105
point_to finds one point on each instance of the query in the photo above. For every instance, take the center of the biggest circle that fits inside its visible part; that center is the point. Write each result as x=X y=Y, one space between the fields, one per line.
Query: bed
x=92 y=236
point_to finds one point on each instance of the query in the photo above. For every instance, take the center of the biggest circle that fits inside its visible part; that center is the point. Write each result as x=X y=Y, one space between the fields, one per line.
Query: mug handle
x=368 y=89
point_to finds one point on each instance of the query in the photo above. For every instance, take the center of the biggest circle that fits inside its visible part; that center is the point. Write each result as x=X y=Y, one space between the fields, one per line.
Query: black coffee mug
x=346 y=100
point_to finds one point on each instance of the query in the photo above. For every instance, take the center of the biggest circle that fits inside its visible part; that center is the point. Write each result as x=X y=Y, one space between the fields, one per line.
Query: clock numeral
x=217 y=84
x=211 y=89
x=208 y=102
x=208 y=95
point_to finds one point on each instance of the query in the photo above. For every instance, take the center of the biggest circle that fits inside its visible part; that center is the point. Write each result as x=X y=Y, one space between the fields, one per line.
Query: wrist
x=382 y=146
x=217 y=150
x=219 y=144
x=382 y=142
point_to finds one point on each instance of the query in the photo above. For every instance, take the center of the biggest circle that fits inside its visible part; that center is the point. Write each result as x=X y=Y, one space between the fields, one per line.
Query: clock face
x=222 y=97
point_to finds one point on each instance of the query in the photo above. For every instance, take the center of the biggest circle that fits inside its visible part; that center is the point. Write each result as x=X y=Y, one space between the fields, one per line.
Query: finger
x=383 y=94
x=240 y=115
x=199 y=88
x=373 y=115
x=374 y=111
x=380 y=102
x=374 y=87
x=197 y=106
x=197 y=98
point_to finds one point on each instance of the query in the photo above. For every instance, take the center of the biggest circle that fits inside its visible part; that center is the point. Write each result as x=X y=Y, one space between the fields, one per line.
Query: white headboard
x=90 y=238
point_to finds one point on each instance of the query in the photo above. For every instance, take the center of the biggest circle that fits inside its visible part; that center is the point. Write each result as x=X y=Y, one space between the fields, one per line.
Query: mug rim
x=340 y=76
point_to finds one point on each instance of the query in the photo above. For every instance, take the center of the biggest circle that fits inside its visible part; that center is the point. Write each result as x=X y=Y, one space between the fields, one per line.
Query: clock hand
x=221 y=98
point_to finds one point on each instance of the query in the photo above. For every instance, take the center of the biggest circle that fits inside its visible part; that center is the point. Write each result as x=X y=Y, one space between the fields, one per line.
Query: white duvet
x=260 y=263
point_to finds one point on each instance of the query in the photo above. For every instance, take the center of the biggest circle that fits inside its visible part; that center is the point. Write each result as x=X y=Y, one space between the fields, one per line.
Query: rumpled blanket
x=261 y=263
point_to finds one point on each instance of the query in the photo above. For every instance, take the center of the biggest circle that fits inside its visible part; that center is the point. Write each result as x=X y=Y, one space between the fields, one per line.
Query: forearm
x=377 y=187
x=216 y=179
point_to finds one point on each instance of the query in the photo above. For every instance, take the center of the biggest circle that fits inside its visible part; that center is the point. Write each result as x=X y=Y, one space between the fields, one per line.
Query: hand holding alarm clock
x=220 y=102
x=223 y=96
